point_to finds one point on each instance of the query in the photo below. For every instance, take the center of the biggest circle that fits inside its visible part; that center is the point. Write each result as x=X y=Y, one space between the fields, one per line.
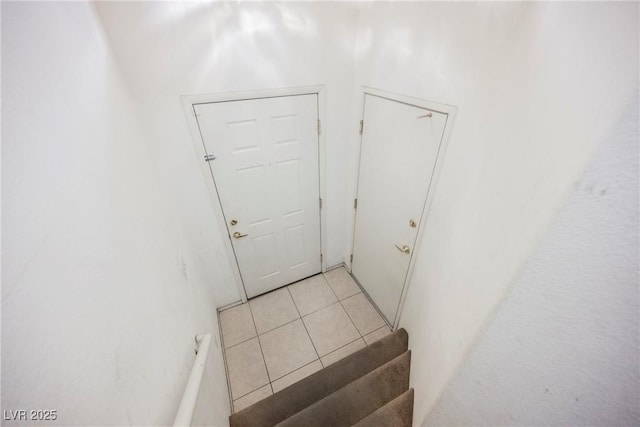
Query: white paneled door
x=264 y=162
x=400 y=144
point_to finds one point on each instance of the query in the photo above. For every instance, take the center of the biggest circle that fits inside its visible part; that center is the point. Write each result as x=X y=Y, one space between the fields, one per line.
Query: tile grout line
x=305 y=326
x=339 y=348
x=383 y=319
x=330 y=305
x=270 y=384
x=259 y=344
x=342 y=305
x=375 y=307
x=288 y=321
x=258 y=335
x=285 y=324
x=334 y=292
x=345 y=310
x=330 y=287
x=265 y=332
x=350 y=318
x=323 y=307
x=225 y=348
x=376 y=330
x=224 y=360
x=241 y=342
x=295 y=370
x=352 y=322
x=318 y=309
x=252 y=391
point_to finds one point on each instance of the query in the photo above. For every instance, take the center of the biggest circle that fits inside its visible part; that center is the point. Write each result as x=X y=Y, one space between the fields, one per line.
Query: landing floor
x=281 y=337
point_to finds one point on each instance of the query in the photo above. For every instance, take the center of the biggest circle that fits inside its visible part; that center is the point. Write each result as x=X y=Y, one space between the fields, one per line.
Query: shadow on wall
x=252 y=37
x=563 y=348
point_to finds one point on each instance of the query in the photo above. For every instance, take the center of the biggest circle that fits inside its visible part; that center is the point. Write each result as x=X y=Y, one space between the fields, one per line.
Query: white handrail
x=190 y=396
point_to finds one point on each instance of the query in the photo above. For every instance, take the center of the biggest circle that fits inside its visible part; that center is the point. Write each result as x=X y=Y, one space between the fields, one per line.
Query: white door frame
x=188 y=101
x=451 y=112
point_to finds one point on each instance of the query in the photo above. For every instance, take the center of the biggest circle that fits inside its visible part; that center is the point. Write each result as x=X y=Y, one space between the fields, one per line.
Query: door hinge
x=209 y=157
x=320 y=203
x=320 y=258
x=319 y=127
x=351 y=258
x=361 y=126
x=355 y=203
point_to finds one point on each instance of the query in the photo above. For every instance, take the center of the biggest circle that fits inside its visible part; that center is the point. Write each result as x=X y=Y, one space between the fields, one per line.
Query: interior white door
x=266 y=175
x=400 y=144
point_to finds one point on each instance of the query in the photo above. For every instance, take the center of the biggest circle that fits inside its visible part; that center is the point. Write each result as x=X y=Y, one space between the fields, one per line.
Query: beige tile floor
x=279 y=338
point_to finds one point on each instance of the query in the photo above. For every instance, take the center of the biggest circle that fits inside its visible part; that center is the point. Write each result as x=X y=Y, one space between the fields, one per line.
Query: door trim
x=188 y=102
x=451 y=112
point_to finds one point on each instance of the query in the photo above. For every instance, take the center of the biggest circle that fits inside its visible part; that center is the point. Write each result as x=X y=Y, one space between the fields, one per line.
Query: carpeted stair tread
x=397 y=413
x=357 y=399
x=293 y=399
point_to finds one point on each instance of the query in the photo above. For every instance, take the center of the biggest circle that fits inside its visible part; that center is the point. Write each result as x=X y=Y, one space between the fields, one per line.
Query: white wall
x=100 y=297
x=99 y=228
x=169 y=49
x=537 y=86
x=563 y=348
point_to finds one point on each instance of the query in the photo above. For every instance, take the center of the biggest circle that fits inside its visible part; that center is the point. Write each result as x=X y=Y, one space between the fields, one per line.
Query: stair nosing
x=354 y=384
x=270 y=411
x=409 y=394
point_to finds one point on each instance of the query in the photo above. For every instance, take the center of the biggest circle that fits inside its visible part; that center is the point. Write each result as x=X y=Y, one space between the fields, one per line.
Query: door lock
x=405 y=249
x=234 y=222
x=238 y=234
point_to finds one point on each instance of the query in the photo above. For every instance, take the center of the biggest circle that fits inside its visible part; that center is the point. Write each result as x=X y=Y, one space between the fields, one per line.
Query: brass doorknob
x=238 y=234
x=405 y=249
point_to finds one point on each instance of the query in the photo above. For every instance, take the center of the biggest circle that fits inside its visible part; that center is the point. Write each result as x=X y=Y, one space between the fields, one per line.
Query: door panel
x=399 y=148
x=266 y=176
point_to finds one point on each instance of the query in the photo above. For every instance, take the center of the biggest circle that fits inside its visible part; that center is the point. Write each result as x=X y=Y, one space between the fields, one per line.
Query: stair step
x=293 y=399
x=397 y=413
x=357 y=399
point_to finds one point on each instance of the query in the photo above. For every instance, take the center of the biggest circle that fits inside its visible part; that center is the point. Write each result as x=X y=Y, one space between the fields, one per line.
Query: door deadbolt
x=412 y=223
x=234 y=222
